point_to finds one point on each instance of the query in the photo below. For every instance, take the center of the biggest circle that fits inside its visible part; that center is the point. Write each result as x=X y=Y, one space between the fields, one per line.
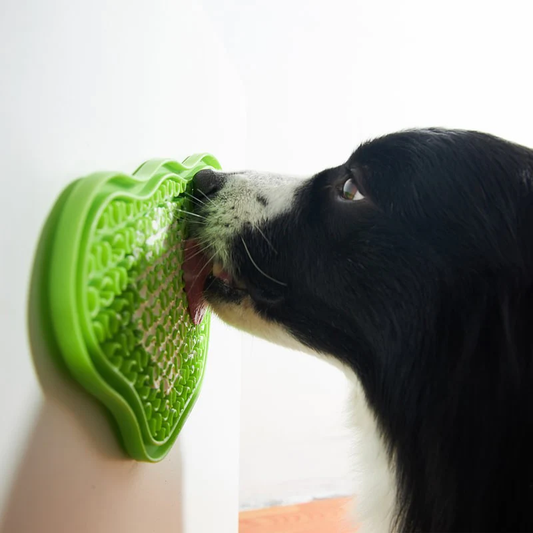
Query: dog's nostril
x=208 y=182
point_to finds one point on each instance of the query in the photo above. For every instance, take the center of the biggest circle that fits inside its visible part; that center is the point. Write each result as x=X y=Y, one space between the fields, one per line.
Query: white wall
x=89 y=86
x=320 y=77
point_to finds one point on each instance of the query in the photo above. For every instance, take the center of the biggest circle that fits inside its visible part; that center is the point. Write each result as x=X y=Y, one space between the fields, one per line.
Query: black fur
x=262 y=200
x=425 y=289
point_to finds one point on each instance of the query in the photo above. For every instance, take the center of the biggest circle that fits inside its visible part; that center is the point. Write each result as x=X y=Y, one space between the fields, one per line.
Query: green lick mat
x=116 y=298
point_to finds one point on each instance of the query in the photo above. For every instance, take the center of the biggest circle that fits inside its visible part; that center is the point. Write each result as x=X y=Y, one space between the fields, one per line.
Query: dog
x=410 y=266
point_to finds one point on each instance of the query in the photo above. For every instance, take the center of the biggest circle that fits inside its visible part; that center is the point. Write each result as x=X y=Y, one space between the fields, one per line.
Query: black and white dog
x=411 y=267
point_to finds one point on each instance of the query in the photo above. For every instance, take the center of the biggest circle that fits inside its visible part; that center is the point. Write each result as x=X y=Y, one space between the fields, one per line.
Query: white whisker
x=265 y=237
x=208 y=262
x=206 y=197
x=194 y=199
x=198 y=252
x=190 y=213
x=258 y=268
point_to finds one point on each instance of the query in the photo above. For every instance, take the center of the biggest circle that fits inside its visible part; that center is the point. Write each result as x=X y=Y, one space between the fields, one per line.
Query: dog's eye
x=350 y=191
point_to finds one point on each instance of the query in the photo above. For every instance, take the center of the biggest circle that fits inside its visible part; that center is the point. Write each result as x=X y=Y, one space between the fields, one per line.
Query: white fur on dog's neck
x=375 y=484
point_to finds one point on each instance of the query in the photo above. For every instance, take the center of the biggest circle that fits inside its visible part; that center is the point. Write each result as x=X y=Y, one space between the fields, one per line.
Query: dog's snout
x=208 y=182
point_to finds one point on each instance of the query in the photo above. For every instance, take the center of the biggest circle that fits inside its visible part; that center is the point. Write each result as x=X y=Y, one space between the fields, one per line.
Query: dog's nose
x=208 y=182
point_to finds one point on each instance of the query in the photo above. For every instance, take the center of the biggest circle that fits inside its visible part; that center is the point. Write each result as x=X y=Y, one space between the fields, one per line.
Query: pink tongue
x=195 y=272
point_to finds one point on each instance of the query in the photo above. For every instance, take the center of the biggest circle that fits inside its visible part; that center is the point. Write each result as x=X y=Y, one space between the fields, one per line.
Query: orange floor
x=321 y=516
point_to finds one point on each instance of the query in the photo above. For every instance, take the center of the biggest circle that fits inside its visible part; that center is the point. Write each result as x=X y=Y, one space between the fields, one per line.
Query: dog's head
x=350 y=261
x=412 y=264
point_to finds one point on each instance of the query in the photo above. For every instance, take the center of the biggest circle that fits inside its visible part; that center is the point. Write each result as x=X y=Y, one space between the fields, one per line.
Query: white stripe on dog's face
x=246 y=198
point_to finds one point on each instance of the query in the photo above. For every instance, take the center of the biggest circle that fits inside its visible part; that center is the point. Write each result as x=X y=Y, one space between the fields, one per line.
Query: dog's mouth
x=203 y=275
